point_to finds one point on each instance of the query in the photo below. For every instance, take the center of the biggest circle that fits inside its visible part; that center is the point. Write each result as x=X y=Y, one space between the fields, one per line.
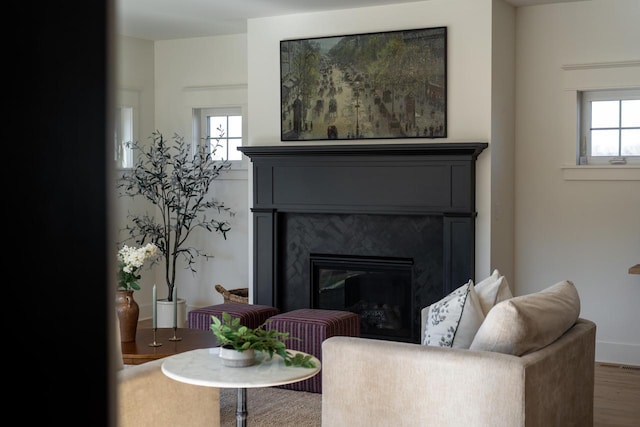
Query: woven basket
x=234 y=295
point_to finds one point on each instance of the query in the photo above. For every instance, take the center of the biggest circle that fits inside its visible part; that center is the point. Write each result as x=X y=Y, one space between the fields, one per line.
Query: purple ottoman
x=313 y=326
x=251 y=315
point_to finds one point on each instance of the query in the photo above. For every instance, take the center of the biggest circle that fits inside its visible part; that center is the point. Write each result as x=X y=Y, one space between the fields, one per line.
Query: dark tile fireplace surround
x=381 y=230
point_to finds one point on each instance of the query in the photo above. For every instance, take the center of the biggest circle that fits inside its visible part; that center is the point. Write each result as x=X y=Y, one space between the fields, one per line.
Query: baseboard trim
x=618 y=353
x=617 y=366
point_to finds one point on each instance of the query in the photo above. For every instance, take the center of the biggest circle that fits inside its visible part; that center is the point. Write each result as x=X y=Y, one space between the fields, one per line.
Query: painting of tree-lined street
x=376 y=85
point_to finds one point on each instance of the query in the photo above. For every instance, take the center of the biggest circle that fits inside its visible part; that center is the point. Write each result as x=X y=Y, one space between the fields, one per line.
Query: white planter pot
x=166 y=313
x=233 y=358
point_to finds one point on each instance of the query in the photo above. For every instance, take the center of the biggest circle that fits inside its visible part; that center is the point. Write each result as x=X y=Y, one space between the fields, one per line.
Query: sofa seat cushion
x=454 y=320
x=526 y=323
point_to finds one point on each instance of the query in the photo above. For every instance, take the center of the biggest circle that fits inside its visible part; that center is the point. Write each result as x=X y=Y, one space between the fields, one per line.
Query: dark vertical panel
x=462 y=186
x=262 y=185
x=459 y=252
x=263 y=244
x=56 y=210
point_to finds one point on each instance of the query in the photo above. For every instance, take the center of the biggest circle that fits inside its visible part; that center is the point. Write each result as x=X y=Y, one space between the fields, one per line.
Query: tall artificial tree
x=176 y=179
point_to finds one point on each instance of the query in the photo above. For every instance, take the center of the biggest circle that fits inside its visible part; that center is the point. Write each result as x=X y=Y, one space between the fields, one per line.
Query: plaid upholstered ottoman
x=251 y=315
x=313 y=326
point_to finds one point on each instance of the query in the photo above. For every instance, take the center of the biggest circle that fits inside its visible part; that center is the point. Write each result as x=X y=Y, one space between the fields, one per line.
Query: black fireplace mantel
x=439 y=148
x=433 y=179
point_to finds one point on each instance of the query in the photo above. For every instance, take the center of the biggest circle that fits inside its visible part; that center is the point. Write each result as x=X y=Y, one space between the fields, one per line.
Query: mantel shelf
x=437 y=149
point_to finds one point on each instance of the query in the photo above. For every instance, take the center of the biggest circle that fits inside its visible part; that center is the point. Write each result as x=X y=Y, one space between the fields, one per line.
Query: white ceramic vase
x=233 y=358
x=166 y=313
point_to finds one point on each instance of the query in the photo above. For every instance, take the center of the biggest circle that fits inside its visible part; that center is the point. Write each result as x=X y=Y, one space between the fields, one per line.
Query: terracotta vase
x=128 y=312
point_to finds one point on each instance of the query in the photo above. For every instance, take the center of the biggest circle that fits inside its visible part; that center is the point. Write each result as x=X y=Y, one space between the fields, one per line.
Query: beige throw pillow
x=484 y=282
x=454 y=320
x=490 y=292
x=527 y=323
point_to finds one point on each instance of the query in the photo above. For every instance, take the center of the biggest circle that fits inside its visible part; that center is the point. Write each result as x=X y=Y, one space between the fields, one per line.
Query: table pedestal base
x=241 y=408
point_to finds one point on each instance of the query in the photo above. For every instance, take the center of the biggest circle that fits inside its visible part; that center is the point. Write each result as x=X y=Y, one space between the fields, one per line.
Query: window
x=610 y=127
x=123 y=137
x=227 y=122
x=125 y=130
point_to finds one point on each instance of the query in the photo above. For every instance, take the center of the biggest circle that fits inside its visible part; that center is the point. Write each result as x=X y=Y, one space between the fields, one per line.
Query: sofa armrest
x=369 y=382
x=147 y=397
x=560 y=377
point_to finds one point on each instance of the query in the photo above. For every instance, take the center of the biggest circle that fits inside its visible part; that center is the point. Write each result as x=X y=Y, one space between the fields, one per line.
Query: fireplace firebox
x=386 y=228
x=378 y=289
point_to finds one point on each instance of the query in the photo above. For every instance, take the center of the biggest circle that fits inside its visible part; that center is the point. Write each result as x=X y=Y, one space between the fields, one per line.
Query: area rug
x=273 y=407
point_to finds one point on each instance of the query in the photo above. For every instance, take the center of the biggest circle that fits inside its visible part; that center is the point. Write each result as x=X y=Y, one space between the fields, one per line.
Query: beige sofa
x=372 y=383
x=145 y=397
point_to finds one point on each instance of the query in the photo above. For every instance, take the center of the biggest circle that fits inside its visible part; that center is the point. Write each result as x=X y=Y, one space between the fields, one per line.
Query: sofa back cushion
x=527 y=323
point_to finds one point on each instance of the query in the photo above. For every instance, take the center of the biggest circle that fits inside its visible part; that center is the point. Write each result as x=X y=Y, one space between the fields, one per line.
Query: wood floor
x=616 y=394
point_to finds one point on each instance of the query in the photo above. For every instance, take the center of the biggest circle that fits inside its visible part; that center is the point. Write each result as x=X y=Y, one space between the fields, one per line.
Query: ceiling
x=177 y=19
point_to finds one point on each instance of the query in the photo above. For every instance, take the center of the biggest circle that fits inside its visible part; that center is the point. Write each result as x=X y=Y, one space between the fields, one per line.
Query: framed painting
x=365 y=86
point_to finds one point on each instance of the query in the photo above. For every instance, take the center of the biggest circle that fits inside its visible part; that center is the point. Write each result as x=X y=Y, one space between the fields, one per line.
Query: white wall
x=469 y=32
x=587 y=231
x=502 y=141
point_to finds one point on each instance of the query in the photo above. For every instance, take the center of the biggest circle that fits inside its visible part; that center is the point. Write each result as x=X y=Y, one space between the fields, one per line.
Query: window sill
x=231 y=174
x=234 y=174
x=601 y=173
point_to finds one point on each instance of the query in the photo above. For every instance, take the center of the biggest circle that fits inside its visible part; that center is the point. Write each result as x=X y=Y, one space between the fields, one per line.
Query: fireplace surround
x=411 y=206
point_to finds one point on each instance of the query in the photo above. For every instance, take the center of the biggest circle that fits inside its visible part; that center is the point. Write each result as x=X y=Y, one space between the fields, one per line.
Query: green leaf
x=226 y=317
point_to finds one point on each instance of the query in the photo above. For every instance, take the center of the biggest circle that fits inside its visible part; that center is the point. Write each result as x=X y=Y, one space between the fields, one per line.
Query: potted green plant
x=176 y=179
x=236 y=338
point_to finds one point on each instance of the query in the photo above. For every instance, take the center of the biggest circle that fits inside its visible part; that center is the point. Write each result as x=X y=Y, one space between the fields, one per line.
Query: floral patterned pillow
x=454 y=320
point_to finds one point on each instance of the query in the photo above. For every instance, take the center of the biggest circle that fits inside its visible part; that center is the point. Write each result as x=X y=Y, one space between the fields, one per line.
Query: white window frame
x=586 y=98
x=203 y=137
x=582 y=77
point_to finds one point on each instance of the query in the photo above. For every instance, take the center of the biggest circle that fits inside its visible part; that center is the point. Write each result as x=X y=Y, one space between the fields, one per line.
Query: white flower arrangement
x=130 y=260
